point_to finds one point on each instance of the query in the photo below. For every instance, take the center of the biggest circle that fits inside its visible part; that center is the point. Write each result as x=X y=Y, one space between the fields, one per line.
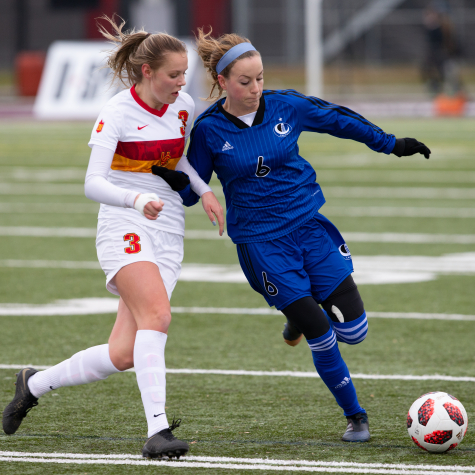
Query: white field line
x=372 y=270
x=29 y=189
x=356 y=211
x=394 y=176
x=49 y=208
x=96 y=306
x=378 y=176
x=36 y=231
x=44 y=264
x=398 y=212
x=28 y=174
x=240 y=467
x=280 y=374
x=237 y=463
x=440 y=193
x=415 y=238
x=388 y=192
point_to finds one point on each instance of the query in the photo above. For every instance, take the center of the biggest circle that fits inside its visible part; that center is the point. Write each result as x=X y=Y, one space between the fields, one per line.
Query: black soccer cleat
x=357 y=429
x=21 y=404
x=165 y=444
x=292 y=335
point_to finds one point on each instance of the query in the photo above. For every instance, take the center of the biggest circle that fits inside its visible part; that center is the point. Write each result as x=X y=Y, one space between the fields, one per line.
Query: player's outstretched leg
x=292 y=335
x=164 y=443
x=87 y=366
x=321 y=339
x=21 y=404
x=334 y=373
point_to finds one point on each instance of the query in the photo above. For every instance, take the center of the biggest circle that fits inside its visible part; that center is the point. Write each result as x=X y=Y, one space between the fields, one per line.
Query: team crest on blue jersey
x=345 y=251
x=282 y=129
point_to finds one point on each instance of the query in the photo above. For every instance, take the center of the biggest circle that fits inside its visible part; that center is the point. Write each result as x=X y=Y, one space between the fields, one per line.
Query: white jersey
x=141 y=137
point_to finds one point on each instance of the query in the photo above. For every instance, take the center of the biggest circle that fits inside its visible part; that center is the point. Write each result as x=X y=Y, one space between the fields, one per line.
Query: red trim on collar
x=145 y=106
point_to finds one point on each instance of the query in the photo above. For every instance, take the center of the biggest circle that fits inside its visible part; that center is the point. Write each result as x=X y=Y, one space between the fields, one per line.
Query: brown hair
x=211 y=50
x=135 y=48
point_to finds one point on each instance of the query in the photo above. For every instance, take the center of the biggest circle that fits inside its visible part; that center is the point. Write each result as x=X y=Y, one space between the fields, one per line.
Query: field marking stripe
x=415 y=238
x=397 y=192
x=351 y=211
x=442 y=193
x=49 y=208
x=95 y=306
x=399 y=212
x=235 y=466
x=311 y=463
x=194 y=465
x=292 y=374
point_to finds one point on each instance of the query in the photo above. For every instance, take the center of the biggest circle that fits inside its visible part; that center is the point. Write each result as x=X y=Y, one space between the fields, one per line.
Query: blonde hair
x=135 y=48
x=211 y=50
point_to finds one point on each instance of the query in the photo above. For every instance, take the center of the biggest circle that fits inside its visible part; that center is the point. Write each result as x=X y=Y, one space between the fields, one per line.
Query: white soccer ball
x=437 y=422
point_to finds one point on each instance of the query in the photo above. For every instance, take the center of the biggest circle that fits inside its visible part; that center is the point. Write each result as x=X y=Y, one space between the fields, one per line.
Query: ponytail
x=135 y=48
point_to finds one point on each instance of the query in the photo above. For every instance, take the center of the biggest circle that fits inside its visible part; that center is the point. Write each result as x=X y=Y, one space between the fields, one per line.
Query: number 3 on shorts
x=135 y=246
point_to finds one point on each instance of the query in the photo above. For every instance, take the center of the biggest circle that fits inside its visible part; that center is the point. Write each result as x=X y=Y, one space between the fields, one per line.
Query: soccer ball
x=437 y=422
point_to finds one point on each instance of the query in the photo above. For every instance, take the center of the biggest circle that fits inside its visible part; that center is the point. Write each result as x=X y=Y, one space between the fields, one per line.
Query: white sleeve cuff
x=196 y=183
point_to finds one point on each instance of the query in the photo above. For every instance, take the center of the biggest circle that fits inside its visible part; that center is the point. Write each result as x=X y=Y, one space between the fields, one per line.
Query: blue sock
x=352 y=332
x=334 y=372
x=331 y=323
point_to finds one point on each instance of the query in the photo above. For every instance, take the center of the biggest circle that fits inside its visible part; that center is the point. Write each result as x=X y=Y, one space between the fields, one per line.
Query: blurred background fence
x=375 y=51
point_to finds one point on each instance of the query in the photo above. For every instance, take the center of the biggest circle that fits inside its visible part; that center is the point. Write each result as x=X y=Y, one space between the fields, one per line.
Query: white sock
x=87 y=366
x=149 y=363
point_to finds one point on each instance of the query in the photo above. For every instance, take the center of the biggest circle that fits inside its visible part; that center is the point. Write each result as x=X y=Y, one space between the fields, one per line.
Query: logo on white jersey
x=282 y=129
x=226 y=146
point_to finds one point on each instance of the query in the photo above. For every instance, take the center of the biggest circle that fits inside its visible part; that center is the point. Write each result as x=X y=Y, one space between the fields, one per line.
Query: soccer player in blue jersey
x=290 y=253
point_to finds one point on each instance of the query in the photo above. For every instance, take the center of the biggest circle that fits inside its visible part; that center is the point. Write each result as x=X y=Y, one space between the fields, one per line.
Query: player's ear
x=147 y=71
x=222 y=82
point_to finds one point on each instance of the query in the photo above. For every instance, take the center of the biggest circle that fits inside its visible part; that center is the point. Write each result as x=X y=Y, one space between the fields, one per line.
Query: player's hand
x=152 y=208
x=178 y=181
x=406 y=147
x=213 y=208
x=148 y=204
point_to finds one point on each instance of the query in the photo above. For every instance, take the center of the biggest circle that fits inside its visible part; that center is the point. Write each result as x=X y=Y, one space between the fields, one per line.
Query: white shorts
x=120 y=242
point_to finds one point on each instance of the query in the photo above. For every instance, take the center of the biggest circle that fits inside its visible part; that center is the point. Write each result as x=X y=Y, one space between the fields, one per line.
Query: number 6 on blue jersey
x=262 y=170
x=271 y=289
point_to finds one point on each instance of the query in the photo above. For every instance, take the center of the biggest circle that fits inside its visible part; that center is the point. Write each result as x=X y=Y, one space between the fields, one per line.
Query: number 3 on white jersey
x=262 y=170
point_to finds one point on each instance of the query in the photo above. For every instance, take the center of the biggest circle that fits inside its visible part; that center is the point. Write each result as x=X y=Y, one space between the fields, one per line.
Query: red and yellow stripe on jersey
x=140 y=156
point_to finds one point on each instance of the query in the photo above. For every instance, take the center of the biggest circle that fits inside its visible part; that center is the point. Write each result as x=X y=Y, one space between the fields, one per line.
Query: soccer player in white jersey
x=140 y=129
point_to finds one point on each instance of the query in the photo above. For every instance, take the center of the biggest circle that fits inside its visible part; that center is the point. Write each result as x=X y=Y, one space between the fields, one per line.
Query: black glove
x=178 y=181
x=406 y=147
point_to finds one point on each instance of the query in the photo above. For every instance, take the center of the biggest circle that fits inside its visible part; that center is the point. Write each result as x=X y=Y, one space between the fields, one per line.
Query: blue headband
x=233 y=54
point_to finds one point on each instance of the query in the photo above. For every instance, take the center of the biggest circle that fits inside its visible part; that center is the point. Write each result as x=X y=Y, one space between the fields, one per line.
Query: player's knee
x=154 y=317
x=346 y=310
x=344 y=304
x=160 y=319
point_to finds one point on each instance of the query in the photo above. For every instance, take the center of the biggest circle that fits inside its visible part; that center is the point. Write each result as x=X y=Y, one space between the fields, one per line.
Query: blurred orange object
x=28 y=68
x=450 y=105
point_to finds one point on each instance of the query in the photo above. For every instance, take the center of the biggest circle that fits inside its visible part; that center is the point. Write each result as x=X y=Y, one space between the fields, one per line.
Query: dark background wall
x=276 y=27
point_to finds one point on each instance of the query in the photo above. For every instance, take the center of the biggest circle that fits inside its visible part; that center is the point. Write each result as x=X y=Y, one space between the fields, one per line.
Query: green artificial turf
x=276 y=417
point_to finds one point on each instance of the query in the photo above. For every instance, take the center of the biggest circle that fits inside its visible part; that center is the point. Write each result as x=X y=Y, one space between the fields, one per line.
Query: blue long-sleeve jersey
x=270 y=189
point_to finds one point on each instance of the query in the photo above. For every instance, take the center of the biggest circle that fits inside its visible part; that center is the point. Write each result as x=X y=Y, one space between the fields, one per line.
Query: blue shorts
x=309 y=262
